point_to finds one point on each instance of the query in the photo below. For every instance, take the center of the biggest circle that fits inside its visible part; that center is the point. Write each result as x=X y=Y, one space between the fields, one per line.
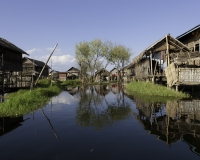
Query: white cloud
x=59 y=60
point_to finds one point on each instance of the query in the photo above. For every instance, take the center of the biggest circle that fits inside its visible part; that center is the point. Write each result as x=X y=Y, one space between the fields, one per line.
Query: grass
x=154 y=92
x=75 y=82
x=25 y=101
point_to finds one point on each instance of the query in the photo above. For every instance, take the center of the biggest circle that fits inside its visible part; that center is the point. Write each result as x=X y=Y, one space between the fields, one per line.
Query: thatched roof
x=160 y=45
x=37 y=63
x=6 y=44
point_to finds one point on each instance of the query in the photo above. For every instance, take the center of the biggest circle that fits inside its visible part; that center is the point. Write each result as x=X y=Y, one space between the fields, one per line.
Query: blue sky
x=36 y=26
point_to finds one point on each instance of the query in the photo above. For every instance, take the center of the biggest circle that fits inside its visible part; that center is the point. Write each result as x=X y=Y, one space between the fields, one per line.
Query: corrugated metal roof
x=186 y=33
x=37 y=63
x=6 y=44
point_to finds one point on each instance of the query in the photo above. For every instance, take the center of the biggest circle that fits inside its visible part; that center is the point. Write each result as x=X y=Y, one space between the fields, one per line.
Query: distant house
x=113 y=74
x=73 y=73
x=127 y=72
x=102 y=75
x=62 y=76
x=32 y=67
x=54 y=75
x=191 y=38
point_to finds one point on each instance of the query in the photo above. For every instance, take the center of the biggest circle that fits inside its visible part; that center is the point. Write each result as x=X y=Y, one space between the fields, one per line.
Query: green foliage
x=75 y=82
x=44 y=83
x=149 y=89
x=26 y=101
x=95 y=55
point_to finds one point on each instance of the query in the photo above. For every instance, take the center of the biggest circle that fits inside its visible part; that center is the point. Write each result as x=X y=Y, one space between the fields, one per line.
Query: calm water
x=103 y=123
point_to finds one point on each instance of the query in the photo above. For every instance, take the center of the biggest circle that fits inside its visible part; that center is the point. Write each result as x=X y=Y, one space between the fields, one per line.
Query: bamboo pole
x=45 y=64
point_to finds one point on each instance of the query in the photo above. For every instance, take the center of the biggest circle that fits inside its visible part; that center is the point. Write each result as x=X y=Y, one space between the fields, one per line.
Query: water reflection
x=95 y=108
x=171 y=122
x=8 y=124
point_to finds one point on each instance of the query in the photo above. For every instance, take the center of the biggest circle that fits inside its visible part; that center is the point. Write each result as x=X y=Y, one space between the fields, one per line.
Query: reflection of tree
x=94 y=109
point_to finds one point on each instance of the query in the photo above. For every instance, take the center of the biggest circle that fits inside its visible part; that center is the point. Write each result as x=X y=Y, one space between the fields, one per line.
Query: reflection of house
x=179 y=121
x=73 y=73
x=115 y=89
x=8 y=124
x=102 y=89
x=72 y=90
x=102 y=75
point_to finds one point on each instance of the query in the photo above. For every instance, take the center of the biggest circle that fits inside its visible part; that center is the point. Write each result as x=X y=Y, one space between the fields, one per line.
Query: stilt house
x=150 y=63
x=73 y=73
x=113 y=74
x=10 y=62
x=102 y=75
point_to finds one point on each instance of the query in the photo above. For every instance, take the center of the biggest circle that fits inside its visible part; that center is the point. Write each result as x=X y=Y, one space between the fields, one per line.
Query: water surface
x=103 y=122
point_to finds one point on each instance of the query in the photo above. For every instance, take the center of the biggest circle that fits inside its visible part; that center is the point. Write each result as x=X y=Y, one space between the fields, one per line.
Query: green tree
x=120 y=57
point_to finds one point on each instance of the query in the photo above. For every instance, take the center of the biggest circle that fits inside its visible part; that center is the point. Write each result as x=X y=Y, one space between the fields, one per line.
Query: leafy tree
x=95 y=55
x=119 y=56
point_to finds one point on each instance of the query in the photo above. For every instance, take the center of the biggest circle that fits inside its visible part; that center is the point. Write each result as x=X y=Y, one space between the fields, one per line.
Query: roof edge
x=189 y=31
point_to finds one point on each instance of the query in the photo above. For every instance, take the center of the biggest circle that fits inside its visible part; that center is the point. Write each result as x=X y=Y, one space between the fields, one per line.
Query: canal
x=103 y=123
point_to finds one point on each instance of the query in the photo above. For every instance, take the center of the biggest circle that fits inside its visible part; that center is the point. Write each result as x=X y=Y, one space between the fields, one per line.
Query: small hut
x=102 y=75
x=54 y=75
x=73 y=73
x=62 y=76
x=113 y=74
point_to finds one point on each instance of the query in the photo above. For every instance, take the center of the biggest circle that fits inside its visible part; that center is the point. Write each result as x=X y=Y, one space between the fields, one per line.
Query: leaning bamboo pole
x=45 y=64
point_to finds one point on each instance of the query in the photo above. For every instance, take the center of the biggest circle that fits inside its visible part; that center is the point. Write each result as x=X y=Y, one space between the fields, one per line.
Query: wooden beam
x=177 y=45
x=199 y=45
x=167 y=51
x=151 y=64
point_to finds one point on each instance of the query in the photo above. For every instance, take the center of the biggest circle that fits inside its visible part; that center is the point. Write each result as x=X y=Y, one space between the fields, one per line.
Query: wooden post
x=194 y=46
x=177 y=88
x=151 y=64
x=167 y=45
x=2 y=82
x=199 y=45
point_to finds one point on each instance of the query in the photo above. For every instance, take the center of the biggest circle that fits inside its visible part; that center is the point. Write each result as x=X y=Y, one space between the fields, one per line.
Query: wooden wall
x=12 y=60
x=191 y=40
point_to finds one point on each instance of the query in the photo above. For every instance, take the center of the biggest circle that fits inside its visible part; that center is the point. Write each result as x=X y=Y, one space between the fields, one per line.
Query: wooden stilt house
x=149 y=64
x=10 y=62
x=102 y=75
x=73 y=73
